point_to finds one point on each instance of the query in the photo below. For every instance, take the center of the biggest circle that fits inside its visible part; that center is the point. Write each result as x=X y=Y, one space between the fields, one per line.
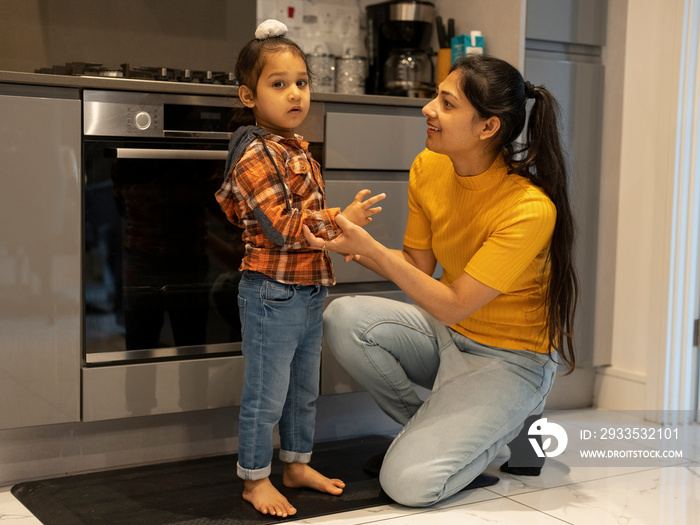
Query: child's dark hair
x=495 y=88
x=251 y=59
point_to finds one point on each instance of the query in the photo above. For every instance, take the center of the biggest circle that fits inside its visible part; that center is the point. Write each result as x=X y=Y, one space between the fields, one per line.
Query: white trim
x=619 y=373
x=618 y=389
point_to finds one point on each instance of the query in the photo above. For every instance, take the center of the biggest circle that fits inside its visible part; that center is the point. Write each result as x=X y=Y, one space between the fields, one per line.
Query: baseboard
x=618 y=389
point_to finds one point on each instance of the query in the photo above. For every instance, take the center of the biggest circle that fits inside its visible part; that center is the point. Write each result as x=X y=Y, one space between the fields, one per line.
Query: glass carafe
x=409 y=73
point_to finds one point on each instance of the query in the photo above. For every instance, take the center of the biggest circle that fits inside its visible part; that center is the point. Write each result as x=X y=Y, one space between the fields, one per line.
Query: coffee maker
x=398 y=45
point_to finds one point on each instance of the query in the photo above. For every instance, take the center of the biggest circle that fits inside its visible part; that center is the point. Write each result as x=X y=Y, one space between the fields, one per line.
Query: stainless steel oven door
x=160 y=261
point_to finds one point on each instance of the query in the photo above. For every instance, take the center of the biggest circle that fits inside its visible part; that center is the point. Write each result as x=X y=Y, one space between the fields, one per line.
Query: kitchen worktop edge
x=151 y=86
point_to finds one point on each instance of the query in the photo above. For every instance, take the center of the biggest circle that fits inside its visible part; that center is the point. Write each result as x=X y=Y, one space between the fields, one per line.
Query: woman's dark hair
x=495 y=88
x=251 y=59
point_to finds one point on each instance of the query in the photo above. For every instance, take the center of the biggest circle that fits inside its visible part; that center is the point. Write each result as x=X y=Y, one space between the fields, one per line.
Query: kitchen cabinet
x=365 y=149
x=39 y=256
x=567 y=21
x=368 y=147
x=563 y=49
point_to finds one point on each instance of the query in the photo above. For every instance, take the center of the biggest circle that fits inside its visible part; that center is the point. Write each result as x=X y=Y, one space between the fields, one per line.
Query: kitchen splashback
x=330 y=26
x=200 y=35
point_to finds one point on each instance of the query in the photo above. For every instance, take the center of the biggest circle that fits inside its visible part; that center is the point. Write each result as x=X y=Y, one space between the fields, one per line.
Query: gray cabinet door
x=39 y=257
x=578 y=87
x=569 y=21
x=373 y=142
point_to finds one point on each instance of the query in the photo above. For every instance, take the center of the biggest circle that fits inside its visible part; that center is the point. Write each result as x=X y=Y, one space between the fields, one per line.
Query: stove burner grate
x=162 y=74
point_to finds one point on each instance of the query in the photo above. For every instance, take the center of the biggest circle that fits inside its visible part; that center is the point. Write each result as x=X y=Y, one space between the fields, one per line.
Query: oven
x=160 y=259
x=161 y=331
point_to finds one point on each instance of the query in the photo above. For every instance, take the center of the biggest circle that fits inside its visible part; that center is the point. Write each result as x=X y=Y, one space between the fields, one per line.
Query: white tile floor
x=568 y=491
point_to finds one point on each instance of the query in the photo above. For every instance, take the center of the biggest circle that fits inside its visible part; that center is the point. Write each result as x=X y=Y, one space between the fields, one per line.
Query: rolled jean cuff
x=253 y=474
x=294 y=457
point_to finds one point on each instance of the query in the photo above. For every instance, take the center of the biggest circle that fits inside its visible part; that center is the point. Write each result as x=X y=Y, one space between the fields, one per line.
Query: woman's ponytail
x=544 y=165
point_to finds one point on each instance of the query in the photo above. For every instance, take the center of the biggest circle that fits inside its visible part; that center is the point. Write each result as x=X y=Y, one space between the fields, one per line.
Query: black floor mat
x=200 y=492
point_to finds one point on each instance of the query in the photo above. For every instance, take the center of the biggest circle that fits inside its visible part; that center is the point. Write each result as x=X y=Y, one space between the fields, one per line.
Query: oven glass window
x=160 y=258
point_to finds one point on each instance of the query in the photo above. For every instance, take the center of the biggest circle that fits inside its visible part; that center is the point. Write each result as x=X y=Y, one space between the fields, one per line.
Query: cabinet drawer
x=373 y=142
x=387 y=227
x=143 y=389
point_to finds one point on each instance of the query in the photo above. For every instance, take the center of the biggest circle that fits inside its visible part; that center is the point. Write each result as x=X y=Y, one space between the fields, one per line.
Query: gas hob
x=163 y=74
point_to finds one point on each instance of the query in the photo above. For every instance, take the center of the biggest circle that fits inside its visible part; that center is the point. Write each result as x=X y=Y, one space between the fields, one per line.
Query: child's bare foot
x=266 y=499
x=298 y=475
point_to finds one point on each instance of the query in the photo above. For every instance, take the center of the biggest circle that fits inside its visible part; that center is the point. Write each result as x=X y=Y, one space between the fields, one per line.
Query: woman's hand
x=447 y=303
x=360 y=212
x=353 y=239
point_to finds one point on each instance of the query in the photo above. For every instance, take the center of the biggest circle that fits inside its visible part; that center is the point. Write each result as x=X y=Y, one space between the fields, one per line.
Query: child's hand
x=359 y=212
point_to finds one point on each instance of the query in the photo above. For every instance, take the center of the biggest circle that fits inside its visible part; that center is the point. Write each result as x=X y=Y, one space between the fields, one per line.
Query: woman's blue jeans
x=282 y=331
x=480 y=395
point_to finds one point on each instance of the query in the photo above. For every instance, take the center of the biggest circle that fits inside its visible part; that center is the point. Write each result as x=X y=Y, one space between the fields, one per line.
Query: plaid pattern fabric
x=253 y=184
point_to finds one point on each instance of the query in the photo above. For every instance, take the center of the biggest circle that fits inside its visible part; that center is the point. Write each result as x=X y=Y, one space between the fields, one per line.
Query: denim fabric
x=282 y=329
x=480 y=395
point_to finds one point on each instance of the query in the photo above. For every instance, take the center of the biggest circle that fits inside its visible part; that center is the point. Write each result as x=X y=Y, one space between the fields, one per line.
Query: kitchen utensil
x=442 y=37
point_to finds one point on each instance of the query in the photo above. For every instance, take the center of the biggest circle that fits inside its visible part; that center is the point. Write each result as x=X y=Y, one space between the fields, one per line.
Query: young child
x=272 y=188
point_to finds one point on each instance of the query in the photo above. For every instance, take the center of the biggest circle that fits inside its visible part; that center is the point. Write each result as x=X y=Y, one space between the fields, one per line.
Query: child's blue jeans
x=282 y=330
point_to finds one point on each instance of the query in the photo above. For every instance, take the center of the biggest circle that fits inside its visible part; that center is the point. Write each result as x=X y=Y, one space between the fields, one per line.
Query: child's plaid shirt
x=282 y=254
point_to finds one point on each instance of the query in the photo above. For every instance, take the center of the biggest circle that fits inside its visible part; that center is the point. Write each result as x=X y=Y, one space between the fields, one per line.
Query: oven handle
x=178 y=154
x=196 y=134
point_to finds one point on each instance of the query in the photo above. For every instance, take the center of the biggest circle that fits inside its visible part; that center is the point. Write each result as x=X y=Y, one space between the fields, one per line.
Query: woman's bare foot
x=266 y=499
x=298 y=475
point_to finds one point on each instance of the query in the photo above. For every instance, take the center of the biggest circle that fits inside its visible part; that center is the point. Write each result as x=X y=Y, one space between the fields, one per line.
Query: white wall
x=636 y=210
x=503 y=25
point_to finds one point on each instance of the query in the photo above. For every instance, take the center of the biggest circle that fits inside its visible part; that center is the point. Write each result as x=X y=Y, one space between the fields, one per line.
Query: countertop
x=151 y=86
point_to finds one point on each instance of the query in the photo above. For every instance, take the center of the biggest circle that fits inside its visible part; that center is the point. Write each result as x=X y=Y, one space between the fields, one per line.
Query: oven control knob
x=142 y=120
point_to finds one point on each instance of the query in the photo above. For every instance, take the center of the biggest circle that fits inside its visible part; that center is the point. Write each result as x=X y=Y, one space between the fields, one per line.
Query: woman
x=496 y=217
